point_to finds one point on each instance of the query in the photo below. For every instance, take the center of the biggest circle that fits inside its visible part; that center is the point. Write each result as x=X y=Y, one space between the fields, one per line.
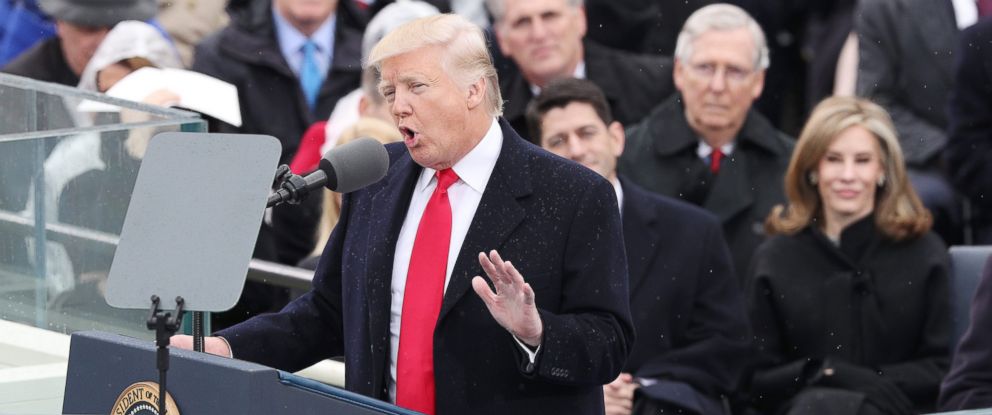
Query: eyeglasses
x=733 y=75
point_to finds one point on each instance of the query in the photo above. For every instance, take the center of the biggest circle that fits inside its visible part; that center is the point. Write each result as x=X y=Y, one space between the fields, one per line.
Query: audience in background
x=706 y=145
x=969 y=147
x=129 y=46
x=849 y=299
x=545 y=41
x=291 y=61
x=22 y=24
x=905 y=64
x=189 y=21
x=80 y=26
x=688 y=308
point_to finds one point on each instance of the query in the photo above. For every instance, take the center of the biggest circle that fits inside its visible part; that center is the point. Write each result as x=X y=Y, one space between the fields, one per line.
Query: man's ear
x=759 y=84
x=476 y=93
x=619 y=138
x=363 y=106
x=678 y=77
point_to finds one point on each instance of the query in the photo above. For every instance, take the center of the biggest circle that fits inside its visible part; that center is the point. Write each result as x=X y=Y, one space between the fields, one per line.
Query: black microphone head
x=354 y=165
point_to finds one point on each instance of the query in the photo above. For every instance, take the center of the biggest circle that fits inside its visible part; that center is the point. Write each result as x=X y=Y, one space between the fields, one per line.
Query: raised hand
x=512 y=305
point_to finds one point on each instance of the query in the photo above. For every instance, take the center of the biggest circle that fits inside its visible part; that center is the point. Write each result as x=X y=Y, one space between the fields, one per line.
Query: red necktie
x=715 y=157
x=422 y=300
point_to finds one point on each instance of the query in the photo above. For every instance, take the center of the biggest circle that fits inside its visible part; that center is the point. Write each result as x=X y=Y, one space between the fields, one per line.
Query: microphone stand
x=291 y=183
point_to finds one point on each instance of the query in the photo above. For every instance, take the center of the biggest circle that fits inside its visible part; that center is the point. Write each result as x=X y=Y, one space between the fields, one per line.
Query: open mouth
x=409 y=136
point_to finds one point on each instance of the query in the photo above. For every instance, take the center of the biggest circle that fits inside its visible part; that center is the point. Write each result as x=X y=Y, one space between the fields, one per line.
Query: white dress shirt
x=965 y=12
x=473 y=172
x=291 y=42
x=704 y=150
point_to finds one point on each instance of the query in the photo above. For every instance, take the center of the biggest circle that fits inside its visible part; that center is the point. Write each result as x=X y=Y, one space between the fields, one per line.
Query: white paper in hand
x=198 y=92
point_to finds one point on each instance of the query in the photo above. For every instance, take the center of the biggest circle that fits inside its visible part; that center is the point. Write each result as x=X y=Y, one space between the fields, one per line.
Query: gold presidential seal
x=142 y=399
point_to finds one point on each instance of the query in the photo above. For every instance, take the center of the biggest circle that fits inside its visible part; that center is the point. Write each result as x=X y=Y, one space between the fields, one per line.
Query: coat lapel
x=497 y=216
x=389 y=206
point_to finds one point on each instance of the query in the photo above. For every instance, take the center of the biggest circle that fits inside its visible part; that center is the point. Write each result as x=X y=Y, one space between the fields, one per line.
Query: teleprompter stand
x=165 y=325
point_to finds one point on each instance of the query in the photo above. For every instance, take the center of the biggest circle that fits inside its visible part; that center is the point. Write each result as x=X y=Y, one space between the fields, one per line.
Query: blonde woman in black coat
x=849 y=299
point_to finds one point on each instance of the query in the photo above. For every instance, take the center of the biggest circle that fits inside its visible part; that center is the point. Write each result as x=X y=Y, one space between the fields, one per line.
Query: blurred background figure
x=707 y=145
x=849 y=301
x=906 y=65
x=189 y=21
x=81 y=26
x=129 y=46
x=545 y=40
x=969 y=146
x=22 y=24
x=291 y=61
x=688 y=308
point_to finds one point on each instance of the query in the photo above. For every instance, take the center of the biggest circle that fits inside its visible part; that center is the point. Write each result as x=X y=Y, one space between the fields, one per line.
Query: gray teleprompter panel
x=193 y=219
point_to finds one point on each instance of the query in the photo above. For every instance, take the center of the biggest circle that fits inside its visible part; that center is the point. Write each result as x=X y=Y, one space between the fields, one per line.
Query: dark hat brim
x=99 y=13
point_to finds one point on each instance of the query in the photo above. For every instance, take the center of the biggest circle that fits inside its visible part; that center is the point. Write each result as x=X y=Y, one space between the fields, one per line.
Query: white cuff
x=531 y=354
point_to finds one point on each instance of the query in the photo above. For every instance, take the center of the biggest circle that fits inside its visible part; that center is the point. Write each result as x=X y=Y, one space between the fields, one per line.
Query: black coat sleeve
x=776 y=379
x=588 y=340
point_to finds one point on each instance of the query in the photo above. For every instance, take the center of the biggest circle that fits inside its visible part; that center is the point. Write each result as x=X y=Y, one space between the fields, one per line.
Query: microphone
x=343 y=169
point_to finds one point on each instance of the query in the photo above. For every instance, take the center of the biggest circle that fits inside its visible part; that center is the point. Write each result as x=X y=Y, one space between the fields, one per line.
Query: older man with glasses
x=706 y=145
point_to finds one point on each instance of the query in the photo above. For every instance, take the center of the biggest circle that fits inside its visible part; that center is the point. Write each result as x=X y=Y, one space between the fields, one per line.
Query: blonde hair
x=466 y=58
x=385 y=132
x=899 y=214
x=723 y=17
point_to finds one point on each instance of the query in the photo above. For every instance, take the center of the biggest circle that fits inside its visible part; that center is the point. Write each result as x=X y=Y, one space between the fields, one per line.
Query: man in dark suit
x=687 y=305
x=707 y=145
x=391 y=292
x=906 y=65
x=544 y=39
x=969 y=147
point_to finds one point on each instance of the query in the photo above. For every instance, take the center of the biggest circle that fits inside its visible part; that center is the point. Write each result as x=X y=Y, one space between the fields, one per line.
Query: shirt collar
x=475 y=168
x=291 y=40
x=619 y=190
x=704 y=150
x=580 y=73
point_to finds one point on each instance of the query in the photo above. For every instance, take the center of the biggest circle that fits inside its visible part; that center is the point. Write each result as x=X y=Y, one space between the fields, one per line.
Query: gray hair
x=466 y=57
x=723 y=17
x=497 y=8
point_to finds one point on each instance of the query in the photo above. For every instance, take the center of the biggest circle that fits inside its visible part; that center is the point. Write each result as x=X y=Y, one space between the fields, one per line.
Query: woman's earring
x=881 y=180
x=814 y=179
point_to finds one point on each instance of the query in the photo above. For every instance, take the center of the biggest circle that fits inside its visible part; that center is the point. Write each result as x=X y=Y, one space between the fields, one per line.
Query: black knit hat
x=99 y=13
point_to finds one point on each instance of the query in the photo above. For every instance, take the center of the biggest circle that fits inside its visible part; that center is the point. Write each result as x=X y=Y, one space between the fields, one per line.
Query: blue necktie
x=310 y=76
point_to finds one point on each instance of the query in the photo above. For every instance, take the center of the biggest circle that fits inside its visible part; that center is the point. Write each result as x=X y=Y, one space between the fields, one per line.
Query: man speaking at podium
x=467 y=205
